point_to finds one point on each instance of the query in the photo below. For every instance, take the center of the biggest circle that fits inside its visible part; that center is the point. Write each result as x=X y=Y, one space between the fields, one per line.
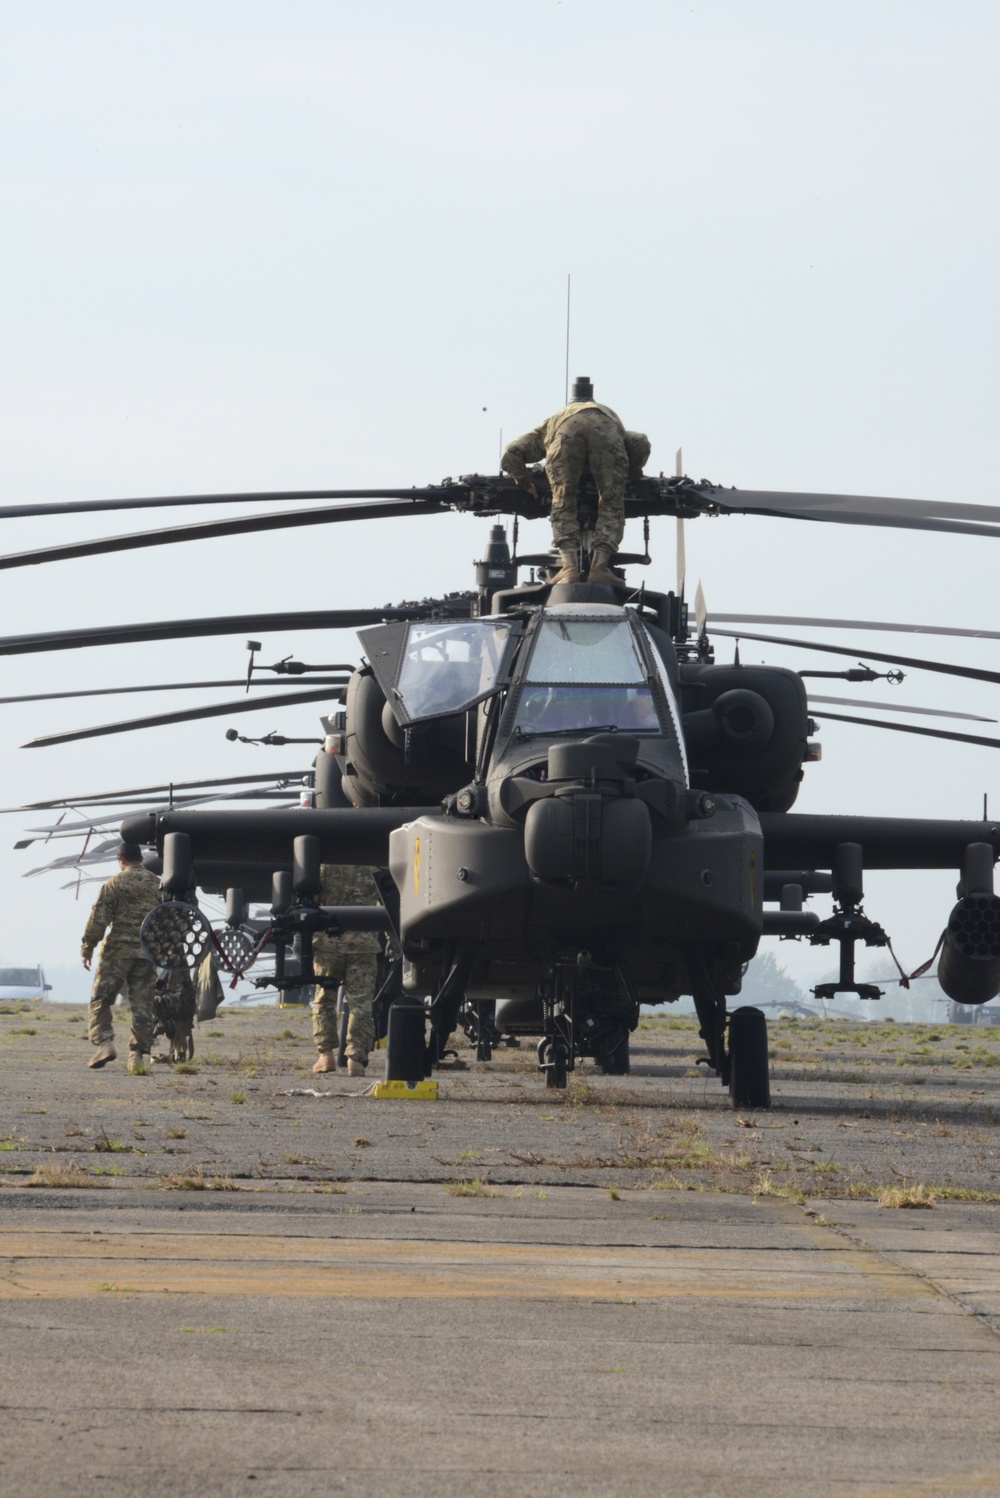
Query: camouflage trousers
x=356 y=970
x=133 y=977
x=591 y=441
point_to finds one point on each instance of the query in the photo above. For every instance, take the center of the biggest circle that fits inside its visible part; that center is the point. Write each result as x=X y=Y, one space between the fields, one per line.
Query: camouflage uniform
x=124 y=902
x=582 y=435
x=347 y=959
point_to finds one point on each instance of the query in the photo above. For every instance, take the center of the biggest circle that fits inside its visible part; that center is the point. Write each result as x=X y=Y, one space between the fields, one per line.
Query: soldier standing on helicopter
x=347 y=959
x=123 y=904
x=583 y=435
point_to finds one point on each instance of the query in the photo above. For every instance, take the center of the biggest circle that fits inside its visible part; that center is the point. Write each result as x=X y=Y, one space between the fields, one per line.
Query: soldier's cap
x=583 y=390
x=130 y=853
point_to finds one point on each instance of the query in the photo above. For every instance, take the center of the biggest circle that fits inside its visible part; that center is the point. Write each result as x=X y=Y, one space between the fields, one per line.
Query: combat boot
x=600 y=569
x=357 y=1066
x=569 y=572
x=137 y=1064
x=327 y=1061
x=103 y=1055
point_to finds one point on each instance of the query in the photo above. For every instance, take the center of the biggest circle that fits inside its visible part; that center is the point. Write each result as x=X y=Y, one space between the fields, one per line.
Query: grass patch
x=237 y=1097
x=186 y=1069
x=474 y=1187
x=106 y=1146
x=60 y=1176
x=906 y=1196
x=764 y=1185
x=177 y=1133
x=196 y=1180
x=107 y=1170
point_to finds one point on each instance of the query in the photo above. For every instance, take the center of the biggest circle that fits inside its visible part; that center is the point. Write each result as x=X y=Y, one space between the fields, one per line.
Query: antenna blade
x=681 y=558
x=700 y=610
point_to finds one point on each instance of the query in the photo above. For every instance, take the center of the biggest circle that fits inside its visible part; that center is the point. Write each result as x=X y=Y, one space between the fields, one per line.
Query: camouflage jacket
x=123 y=904
x=532 y=447
x=348 y=884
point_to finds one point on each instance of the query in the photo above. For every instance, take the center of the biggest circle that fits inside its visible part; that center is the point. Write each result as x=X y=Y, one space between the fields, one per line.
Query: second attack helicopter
x=576 y=809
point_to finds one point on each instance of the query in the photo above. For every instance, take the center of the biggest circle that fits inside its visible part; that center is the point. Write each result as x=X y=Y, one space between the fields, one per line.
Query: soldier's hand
x=86 y=963
x=529 y=488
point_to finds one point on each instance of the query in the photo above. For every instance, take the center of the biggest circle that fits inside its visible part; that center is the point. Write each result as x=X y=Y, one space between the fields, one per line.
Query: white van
x=23 y=983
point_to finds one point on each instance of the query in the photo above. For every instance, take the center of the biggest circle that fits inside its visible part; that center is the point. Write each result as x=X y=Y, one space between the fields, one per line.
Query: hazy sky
x=253 y=245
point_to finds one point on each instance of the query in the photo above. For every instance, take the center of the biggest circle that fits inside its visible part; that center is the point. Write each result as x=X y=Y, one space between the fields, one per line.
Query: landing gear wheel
x=615 y=1062
x=555 y=1074
x=749 y=1078
x=554 y=1062
x=406 y=1043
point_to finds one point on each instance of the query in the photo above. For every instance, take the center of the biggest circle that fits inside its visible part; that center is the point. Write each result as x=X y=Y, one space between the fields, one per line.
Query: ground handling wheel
x=749 y=1077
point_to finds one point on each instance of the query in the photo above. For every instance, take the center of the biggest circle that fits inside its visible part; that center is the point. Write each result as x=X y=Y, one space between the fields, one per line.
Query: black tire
x=616 y=1061
x=749 y=1075
x=556 y=1073
x=406 y=1042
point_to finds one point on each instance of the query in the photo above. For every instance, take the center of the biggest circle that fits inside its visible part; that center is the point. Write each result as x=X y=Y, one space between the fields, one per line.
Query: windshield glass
x=448 y=667
x=585 y=674
x=591 y=650
x=19 y=977
x=556 y=709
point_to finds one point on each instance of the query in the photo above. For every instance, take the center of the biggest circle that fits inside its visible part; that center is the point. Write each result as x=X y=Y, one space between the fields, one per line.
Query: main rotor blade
x=185 y=715
x=974 y=673
x=899 y=707
x=174 y=686
x=930 y=733
x=805 y=621
x=861 y=509
x=166 y=501
x=95 y=797
x=211 y=529
x=191 y=629
x=71 y=829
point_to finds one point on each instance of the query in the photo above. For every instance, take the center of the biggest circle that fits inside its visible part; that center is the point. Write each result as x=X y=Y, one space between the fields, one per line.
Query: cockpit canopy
x=433 y=669
x=576 y=668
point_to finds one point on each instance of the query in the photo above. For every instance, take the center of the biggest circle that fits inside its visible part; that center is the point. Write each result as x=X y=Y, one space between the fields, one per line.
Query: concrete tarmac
x=319 y=1327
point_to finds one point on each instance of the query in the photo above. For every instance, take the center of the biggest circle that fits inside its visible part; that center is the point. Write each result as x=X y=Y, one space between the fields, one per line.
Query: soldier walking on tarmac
x=583 y=435
x=123 y=904
x=350 y=960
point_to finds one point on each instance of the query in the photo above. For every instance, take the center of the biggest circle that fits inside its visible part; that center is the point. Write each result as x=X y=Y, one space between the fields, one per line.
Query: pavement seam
x=862 y=1244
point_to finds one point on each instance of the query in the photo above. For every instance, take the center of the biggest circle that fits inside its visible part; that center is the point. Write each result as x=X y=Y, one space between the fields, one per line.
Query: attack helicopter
x=575 y=808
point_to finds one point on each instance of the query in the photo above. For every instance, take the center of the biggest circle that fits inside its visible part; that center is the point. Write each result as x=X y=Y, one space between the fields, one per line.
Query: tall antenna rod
x=566 y=398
